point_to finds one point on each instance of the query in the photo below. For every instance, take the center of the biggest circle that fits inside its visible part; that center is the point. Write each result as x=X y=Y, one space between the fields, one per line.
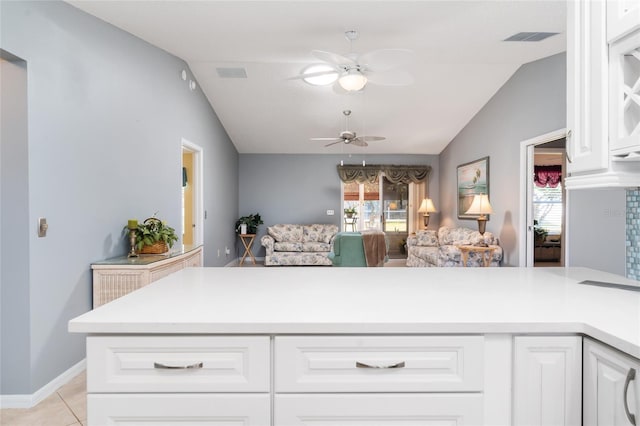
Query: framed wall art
x=473 y=179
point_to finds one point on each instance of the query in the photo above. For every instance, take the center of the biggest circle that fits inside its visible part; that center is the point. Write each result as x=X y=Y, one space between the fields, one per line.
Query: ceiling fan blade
x=333 y=143
x=372 y=138
x=332 y=58
x=313 y=74
x=390 y=78
x=325 y=139
x=386 y=59
x=358 y=142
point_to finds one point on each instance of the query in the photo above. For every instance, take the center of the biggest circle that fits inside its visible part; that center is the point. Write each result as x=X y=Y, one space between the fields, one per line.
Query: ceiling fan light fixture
x=320 y=80
x=352 y=81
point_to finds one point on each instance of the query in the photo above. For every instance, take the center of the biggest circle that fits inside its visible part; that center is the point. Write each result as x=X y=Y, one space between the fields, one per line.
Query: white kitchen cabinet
x=624 y=92
x=547 y=380
x=378 y=409
x=587 y=100
x=178 y=409
x=611 y=389
x=623 y=17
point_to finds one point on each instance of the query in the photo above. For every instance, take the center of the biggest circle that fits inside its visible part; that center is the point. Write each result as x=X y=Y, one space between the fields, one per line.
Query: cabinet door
x=587 y=144
x=623 y=17
x=379 y=409
x=547 y=380
x=611 y=395
x=178 y=409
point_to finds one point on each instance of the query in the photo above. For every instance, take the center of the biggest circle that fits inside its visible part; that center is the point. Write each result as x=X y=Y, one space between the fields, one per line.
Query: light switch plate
x=330 y=212
x=42 y=227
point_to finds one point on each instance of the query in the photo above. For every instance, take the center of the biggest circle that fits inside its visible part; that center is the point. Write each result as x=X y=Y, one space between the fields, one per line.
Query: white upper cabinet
x=603 y=94
x=623 y=17
x=587 y=148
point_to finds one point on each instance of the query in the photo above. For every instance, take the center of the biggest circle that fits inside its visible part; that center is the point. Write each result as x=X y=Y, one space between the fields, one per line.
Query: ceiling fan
x=353 y=71
x=349 y=137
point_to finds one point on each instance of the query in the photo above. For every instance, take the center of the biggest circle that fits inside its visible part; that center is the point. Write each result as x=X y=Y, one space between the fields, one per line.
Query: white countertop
x=310 y=300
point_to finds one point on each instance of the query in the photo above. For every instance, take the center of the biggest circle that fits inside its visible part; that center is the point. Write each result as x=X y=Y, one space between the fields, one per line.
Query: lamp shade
x=352 y=81
x=480 y=205
x=427 y=206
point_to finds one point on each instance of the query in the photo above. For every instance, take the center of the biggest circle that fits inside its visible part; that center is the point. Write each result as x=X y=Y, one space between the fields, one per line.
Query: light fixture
x=320 y=74
x=353 y=80
x=480 y=206
x=427 y=207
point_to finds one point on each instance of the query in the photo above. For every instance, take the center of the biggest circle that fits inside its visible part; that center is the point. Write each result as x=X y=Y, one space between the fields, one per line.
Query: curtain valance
x=395 y=174
x=547 y=176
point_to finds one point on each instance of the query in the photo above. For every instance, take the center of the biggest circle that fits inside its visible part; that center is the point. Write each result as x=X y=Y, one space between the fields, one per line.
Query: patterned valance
x=395 y=174
x=547 y=176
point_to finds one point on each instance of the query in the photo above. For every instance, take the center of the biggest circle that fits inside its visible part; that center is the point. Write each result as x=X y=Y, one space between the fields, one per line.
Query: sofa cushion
x=316 y=247
x=287 y=246
x=426 y=238
x=460 y=236
x=288 y=233
x=318 y=233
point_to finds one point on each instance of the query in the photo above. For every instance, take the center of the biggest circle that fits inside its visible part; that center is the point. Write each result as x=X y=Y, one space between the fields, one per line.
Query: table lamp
x=426 y=207
x=480 y=206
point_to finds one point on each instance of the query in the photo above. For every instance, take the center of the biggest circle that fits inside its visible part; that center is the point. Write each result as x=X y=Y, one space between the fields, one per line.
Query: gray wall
x=531 y=103
x=14 y=226
x=596 y=231
x=106 y=115
x=301 y=188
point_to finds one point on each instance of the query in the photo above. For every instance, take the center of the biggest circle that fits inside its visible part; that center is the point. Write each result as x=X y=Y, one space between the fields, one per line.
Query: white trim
x=28 y=401
x=525 y=177
x=198 y=203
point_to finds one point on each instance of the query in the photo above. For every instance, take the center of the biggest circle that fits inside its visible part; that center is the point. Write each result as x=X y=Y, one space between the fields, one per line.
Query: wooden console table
x=113 y=278
x=485 y=252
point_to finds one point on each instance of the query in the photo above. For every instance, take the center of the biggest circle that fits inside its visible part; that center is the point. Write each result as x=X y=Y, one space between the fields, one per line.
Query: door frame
x=198 y=188
x=526 y=200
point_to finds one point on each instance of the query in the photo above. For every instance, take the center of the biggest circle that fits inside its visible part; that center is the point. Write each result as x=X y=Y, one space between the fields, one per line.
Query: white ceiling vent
x=537 y=36
x=232 y=72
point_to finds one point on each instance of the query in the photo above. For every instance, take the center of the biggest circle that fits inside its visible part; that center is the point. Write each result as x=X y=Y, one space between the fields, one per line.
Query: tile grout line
x=69 y=408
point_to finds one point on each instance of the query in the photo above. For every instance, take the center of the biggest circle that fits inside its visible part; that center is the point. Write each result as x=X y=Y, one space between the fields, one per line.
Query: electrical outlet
x=227 y=251
x=218 y=252
x=330 y=212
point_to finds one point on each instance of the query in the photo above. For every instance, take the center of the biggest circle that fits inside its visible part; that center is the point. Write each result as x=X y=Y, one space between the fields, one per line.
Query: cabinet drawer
x=379 y=409
x=177 y=364
x=178 y=409
x=379 y=364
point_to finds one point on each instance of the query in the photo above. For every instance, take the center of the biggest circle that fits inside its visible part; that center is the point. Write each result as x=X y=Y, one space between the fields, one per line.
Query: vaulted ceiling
x=460 y=62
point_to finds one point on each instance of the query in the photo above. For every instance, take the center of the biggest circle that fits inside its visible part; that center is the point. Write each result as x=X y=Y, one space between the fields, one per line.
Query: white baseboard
x=28 y=401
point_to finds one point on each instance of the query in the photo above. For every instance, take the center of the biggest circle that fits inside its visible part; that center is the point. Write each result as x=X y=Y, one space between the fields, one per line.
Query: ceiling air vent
x=232 y=72
x=537 y=36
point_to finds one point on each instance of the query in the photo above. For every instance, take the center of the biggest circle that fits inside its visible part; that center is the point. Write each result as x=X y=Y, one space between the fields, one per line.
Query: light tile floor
x=66 y=407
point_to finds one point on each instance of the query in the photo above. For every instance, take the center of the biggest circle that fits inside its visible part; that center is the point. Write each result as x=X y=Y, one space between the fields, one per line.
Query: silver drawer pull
x=631 y=375
x=177 y=367
x=363 y=365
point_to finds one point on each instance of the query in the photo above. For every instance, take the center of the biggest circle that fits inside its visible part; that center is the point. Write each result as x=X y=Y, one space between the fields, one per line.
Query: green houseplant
x=252 y=221
x=154 y=236
x=539 y=233
x=350 y=212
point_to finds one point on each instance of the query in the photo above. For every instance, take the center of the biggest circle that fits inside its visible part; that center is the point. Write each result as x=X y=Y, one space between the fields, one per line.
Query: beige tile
x=74 y=394
x=50 y=412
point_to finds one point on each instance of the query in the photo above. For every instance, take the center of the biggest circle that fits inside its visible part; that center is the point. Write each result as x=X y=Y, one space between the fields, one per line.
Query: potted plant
x=539 y=233
x=251 y=223
x=350 y=212
x=154 y=236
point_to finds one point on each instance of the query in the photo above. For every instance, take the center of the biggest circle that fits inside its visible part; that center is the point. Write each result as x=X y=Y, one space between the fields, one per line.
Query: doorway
x=192 y=194
x=543 y=200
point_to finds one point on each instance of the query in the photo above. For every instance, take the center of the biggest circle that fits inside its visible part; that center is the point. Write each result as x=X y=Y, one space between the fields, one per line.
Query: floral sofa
x=429 y=248
x=298 y=244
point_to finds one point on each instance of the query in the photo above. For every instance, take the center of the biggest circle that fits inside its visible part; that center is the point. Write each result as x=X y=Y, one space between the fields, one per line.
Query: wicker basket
x=158 y=247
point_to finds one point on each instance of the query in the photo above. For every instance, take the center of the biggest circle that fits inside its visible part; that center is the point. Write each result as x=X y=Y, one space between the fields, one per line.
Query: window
x=547 y=208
